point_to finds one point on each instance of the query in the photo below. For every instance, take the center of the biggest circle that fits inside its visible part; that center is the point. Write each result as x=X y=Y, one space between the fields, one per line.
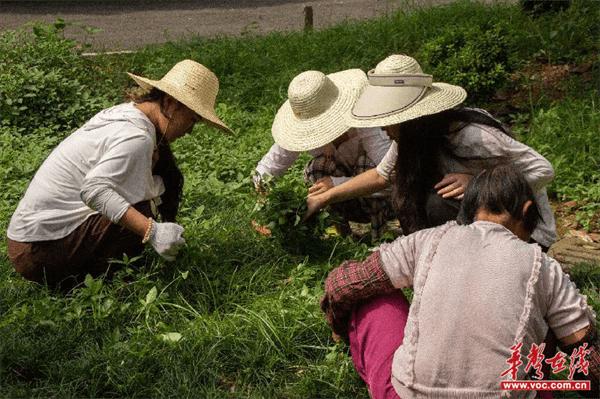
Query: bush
x=237 y=315
x=567 y=36
x=44 y=82
x=474 y=57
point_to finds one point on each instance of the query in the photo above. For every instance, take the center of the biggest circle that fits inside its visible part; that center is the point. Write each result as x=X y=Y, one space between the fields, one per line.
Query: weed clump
x=281 y=210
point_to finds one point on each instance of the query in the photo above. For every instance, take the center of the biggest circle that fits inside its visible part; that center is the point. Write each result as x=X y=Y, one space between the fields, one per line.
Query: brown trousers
x=64 y=263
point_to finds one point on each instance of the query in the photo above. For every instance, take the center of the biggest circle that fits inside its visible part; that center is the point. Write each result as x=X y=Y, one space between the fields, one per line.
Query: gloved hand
x=166 y=239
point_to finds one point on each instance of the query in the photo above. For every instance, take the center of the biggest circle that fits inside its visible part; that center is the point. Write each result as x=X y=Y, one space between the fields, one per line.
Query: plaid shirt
x=350 y=284
x=374 y=209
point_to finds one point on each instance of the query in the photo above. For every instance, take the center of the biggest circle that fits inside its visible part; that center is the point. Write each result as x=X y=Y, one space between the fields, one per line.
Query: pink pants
x=376 y=330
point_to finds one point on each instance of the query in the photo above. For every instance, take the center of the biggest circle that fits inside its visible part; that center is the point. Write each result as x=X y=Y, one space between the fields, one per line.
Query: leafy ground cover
x=237 y=314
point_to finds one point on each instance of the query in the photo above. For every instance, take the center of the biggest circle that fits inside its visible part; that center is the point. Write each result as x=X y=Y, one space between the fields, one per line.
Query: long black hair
x=421 y=142
x=166 y=166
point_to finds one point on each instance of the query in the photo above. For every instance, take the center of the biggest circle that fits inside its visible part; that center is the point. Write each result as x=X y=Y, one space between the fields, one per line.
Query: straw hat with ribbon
x=193 y=85
x=316 y=111
x=399 y=91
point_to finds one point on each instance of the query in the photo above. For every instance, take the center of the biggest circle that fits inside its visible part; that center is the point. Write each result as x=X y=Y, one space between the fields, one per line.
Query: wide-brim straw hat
x=316 y=111
x=193 y=85
x=399 y=91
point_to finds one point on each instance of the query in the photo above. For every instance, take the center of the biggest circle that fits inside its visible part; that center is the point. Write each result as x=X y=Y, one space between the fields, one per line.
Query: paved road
x=138 y=23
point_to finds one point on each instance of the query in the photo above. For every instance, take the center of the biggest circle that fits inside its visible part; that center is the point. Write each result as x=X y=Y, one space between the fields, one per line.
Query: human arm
x=165 y=238
x=349 y=284
x=135 y=221
x=390 y=267
x=274 y=163
x=566 y=310
x=119 y=177
x=572 y=320
x=586 y=341
x=375 y=144
x=491 y=146
x=453 y=185
x=366 y=183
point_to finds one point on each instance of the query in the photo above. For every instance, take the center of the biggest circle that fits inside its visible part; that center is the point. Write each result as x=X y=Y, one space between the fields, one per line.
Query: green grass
x=566 y=133
x=237 y=315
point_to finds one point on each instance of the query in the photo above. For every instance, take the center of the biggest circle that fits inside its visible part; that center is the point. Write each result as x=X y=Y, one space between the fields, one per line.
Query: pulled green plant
x=281 y=209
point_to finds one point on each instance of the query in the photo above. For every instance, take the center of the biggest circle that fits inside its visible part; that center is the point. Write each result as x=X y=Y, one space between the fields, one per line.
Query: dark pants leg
x=64 y=263
x=550 y=350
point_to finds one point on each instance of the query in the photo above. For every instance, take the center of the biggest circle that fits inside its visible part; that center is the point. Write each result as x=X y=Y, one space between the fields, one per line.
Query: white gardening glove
x=166 y=239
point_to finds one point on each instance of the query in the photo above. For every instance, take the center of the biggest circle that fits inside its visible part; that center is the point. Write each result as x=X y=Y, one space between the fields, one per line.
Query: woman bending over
x=438 y=147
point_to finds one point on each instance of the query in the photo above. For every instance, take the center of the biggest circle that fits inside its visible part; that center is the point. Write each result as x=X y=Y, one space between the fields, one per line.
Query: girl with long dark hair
x=438 y=147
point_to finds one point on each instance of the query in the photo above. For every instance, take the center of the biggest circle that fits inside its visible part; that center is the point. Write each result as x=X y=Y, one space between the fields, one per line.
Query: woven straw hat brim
x=192 y=102
x=440 y=97
x=295 y=134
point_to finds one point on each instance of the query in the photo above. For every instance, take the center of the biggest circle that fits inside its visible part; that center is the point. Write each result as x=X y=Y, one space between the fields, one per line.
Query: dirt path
x=138 y=23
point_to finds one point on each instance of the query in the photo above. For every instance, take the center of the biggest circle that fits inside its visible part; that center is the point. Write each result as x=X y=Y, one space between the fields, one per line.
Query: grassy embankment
x=237 y=315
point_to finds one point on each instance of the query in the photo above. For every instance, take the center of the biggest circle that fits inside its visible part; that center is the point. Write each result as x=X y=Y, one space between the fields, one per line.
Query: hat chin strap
x=169 y=118
x=410 y=80
x=166 y=128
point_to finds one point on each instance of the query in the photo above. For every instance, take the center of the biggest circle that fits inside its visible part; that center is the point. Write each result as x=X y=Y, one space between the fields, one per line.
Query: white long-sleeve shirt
x=103 y=167
x=374 y=141
x=475 y=147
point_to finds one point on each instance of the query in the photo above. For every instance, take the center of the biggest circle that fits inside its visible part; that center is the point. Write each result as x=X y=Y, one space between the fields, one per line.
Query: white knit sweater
x=103 y=167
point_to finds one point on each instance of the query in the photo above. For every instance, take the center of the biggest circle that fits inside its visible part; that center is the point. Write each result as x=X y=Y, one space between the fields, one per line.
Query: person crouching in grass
x=480 y=289
x=99 y=194
x=314 y=119
x=438 y=145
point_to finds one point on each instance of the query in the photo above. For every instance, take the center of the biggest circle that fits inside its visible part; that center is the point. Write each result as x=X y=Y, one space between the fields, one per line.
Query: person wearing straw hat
x=313 y=119
x=438 y=146
x=98 y=194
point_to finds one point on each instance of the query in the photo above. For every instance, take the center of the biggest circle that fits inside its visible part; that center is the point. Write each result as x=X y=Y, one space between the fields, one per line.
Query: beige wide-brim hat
x=317 y=109
x=193 y=85
x=399 y=91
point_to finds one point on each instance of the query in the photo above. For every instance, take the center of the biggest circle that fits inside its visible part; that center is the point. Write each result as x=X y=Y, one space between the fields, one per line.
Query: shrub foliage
x=44 y=82
x=474 y=57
